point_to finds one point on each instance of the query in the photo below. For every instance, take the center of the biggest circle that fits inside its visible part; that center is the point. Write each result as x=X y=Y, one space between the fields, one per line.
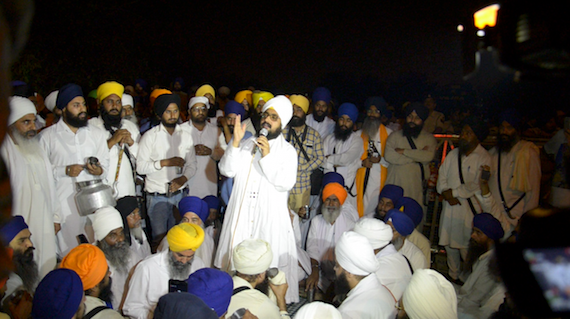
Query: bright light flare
x=486 y=16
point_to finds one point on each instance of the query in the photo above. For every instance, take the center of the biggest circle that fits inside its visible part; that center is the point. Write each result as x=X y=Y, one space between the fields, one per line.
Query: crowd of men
x=243 y=206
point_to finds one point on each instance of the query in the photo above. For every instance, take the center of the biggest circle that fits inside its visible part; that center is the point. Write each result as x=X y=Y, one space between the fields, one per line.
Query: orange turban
x=244 y=95
x=185 y=236
x=335 y=189
x=89 y=262
x=156 y=93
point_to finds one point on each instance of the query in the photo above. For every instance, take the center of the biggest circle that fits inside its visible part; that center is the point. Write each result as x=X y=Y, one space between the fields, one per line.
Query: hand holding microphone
x=262 y=142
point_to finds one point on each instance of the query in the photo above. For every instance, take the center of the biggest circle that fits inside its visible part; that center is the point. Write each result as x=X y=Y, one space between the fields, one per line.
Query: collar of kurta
x=61 y=126
x=177 y=128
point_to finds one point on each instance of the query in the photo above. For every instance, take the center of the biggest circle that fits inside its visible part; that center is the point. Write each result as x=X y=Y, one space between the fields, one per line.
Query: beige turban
x=252 y=256
x=355 y=254
x=127 y=99
x=199 y=99
x=282 y=105
x=430 y=296
x=105 y=220
x=19 y=107
x=49 y=101
x=318 y=310
x=378 y=233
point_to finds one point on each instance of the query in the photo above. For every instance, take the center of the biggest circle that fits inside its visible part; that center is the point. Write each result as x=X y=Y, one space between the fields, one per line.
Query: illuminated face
x=115 y=236
x=171 y=114
x=414 y=120
x=191 y=218
x=320 y=108
x=184 y=257
x=26 y=126
x=373 y=111
x=112 y=104
x=22 y=241
x=271 y=120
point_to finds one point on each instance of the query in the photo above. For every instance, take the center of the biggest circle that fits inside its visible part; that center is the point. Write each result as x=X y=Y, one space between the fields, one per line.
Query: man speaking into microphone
x=264 y=169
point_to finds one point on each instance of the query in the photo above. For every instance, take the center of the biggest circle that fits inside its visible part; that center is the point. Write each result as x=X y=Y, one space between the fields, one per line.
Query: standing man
x=207 y=148
x=307 y=143
x=166 y=156
x=409 y=152
x=264 y=170
x=319 y=119
x=458 y=182
x=122 y=138
x=68 y=144
x=31 y=180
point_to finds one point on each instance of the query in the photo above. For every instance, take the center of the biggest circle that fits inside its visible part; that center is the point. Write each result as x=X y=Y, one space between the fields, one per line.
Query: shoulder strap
x=505 y=206
x=409 y=264
x=94 y=312
x=413 y=146
x=300 y=144
x=463 y=182
x=239 y=289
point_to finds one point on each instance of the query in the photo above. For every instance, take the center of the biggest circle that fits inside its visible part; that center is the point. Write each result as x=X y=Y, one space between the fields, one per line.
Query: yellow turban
x=300 y=101
x=185 y=236
x=89 y=262
x=108 y=88
x=244 y=95
x=259 y=95
x=206 y=88
x=335 y=189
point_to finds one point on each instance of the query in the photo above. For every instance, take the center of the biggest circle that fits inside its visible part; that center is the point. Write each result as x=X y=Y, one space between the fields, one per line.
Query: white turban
x=127 y=99
x=318 y=310
x=378 y=233
x=19 y=107
x=355 y=254
x=105 y=220
x=252 y=256
x=430 y=296
x=49 y=101
x=199 y=99
x=282 y=105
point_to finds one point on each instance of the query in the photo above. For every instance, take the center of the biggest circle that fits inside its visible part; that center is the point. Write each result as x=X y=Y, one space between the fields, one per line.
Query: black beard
x=117 y=255
x=297 y=121
x=169 y=125
x=464 y=147
x=271 y=135
x=475 y=250
x=111 y=122
x=105 y=292
x=319 y=118
x=506 y=142
x=75 y=121
x=26 y=267
x=264 y=286
x=371 y=125
x=378 y=214
x=196 y=120
x=341 y=286
x=410 y=131
x=340 y=133
x=178 y=270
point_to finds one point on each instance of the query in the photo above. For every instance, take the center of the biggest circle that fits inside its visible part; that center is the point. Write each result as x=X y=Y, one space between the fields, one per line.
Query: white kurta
x=63 y=148
x=325 y=128
x=126 y=182
x=150 y=282
x=479 y=286
x=253 y=300
x=394 y=272
x=414 y=255
x=368 y=300
x=457 y=221
x=258 y=205
x=34 y=198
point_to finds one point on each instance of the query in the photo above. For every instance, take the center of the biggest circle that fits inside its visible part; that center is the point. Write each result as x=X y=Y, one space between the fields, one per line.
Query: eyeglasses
x=274 y=117
x=198 y=109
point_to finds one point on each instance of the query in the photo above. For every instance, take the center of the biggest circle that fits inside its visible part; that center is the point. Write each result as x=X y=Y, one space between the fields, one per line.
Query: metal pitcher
x=92 y=195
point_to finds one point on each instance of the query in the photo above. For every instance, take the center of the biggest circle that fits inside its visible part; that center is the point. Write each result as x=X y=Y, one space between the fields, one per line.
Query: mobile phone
x=177 y=285
x=82 y=239
x=485 y=175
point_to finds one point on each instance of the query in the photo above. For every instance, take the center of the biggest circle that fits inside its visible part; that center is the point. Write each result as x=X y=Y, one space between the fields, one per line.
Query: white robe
x=478 y=288
x=63 y=148
x=325 y=128
x=394 y=272
x=34 y=198
x=258 y=205
x=414 y=255
x=368 y=300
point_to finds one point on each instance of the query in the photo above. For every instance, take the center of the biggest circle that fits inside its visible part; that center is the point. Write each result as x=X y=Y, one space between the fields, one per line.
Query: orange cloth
x=244 y=95
x=89 y=262
x=156 y=93
x=335 y=189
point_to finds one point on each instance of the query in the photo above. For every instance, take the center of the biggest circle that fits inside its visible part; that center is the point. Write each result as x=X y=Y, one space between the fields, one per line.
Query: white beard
x=330 y=214
x=29 y=147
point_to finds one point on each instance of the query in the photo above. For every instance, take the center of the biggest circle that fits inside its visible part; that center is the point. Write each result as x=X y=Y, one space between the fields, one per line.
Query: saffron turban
x=89 y=262
x=163 y=101
x=12 y=228
x=282 y=106
x=260 y=95
x=378 y=233
x=489 y=225
x=156 y=93
x=378 y=102
x=402 y=223
x=332 y=177
x=105 y=220
x=185 y=236
x=49 y=101
x=355 y=254
x=108 y=88
x=252 y=256
x=205 y=89
x=58 y=295
x=233 y=107
x=212 y=201
x=244 y=95
x=19 y=107
x=67 y=93
x=199 y=99
x=213 y=286
x=300 y=101
x=335 y=189
x=322 y=94
x=182 y=305
x=349 y=110
x=430 y=296
x=193 y=204
x=318 y=310
x=411 y=208
x=392 y=192
x=420 y=109
x=127 y=99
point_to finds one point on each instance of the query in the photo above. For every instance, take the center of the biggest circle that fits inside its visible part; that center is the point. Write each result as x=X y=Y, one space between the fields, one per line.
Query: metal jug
x=92 y=195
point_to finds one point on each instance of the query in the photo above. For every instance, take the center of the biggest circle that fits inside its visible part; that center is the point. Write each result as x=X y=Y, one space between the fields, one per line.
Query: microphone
x=263 y=132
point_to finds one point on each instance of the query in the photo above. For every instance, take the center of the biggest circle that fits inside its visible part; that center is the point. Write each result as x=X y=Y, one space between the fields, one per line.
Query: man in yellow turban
x=151 y=277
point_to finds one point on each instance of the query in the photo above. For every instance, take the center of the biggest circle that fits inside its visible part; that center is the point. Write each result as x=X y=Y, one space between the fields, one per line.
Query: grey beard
x=398 y=243
x=132 y=118
x=29 y=147
x=330 y=215
x=178 y=270
x=370 y=126
x=27 y=269
x=118 y=255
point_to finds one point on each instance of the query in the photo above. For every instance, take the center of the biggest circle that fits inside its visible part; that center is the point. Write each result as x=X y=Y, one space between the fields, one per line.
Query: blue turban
x=58 y=295
x=377 y=101
x=321 y=94
x=179 y=80
x=213 y=286
x=195 y=205
x=332 y=177
x=411 y=208
x=67 y=93
x=393 y=192
x=348 y=109
x=212 y=201
x=142 y=83
x=182 y=305
x=12 y=228
x=233 y=107
x=489 y=225
x=402 y=223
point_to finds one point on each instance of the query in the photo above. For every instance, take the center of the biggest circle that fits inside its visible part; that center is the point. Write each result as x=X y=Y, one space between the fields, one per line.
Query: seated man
x=135 y=236
x=151 y=276
x=354 y=268
x=402 y=227
x=394 y=271
x=89 y=263
x=59 y=295
x=387 y=199
x=429 y=295
x=410 y=207
x=324 y=232
x=252 y=258
x=214 y=287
